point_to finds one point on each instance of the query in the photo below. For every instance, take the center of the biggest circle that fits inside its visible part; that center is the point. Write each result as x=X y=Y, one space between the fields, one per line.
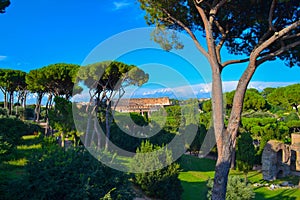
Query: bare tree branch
x=214 y=10
x=220 y=45
x=208 y=31
x=229 y=62
x=271 y=15
x=288 y=37
x=208 y=28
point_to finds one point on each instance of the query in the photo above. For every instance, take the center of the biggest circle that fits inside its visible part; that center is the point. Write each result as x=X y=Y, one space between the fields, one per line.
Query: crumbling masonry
x=279 y=159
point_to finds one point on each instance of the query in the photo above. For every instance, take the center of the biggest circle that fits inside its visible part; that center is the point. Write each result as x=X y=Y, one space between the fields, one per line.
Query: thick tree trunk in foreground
x=226 y=140
x=222 y=170
x=223 y=161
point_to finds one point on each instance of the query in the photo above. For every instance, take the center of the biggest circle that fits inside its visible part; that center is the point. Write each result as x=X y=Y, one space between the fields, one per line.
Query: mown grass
x=197 y=171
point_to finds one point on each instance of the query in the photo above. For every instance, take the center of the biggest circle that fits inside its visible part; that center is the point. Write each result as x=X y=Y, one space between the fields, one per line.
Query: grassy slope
x=14 y=168
x=197 y=171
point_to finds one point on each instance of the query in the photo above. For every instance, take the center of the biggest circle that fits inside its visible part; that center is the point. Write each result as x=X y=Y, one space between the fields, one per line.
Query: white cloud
x=120 y=5
x=2 y=57
x=202 y=90
x=259 y=85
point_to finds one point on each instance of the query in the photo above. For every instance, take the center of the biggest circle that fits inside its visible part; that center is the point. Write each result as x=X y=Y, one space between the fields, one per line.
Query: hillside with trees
x=272 y=113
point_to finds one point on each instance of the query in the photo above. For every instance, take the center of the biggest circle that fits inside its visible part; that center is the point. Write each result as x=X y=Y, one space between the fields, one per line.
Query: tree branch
x=188 y=30
x=229 y=62
x=271 y=26
x=278 y=52
x=273 y=38
x=271 y=15
x=291 y=36
x=212 y=15
x=208 y=32
x=220 y=45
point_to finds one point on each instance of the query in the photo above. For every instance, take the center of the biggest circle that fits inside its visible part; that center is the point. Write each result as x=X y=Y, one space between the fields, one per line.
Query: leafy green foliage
x=162 y=183
x=173 y=118
x=56 y=173
x=59 y=78
x=244 y=23
x=10 y=82
x=61 y=119
x=245 y=153
x=11 y=132
x=285 y=97
x=3 y=5
x=106 y=79
x=253 y=100
x=237 y=189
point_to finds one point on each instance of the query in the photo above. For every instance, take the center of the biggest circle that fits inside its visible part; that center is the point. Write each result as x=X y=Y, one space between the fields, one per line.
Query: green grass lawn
x=197 y=171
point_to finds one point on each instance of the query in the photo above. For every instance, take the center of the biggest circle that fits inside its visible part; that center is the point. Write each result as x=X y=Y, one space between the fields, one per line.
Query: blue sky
x=42 y=32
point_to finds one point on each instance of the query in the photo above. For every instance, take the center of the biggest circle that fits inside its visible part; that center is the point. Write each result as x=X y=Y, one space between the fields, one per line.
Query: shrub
x=245 y=153
x=11 y=132
x=237 y=189
x=56 y=173
x=27 y=113
x=162 y=183
x=3 y=112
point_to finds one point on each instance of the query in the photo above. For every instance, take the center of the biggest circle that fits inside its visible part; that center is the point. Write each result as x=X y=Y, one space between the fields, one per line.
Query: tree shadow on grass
x=194 y=190
x=288 y=194
x=193 y=163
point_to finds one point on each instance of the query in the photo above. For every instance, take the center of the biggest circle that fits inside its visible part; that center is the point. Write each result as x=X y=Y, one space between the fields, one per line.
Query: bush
x=3 y=112
x=237 y=189
x=56 y=173
x=245 y=153
x=27 y=113
x=11 y=132
x=162 y=183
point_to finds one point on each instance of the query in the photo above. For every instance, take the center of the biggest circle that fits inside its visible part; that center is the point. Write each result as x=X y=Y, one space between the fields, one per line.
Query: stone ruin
x=279 y=159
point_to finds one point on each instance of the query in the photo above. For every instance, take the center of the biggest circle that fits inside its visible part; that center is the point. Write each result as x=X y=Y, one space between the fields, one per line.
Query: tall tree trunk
x=47 y=129
x=62 y=136
x=107 y=123
x=227 y=142
x=87 y=132
x=233 y=156
x=222 y=169
x=5 y=100
x=37 y=109
x=90 y=111
x=11 y=102
x=23 y=99
x=96 y=123
x=224 y=154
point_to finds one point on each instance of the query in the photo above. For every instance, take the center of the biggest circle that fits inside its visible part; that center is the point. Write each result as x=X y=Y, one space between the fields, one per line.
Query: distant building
x=141 y=105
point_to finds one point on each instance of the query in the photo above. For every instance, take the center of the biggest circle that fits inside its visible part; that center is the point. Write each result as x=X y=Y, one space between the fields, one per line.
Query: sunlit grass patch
x=197 y=171
x=26 y=147
x=19 y=163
